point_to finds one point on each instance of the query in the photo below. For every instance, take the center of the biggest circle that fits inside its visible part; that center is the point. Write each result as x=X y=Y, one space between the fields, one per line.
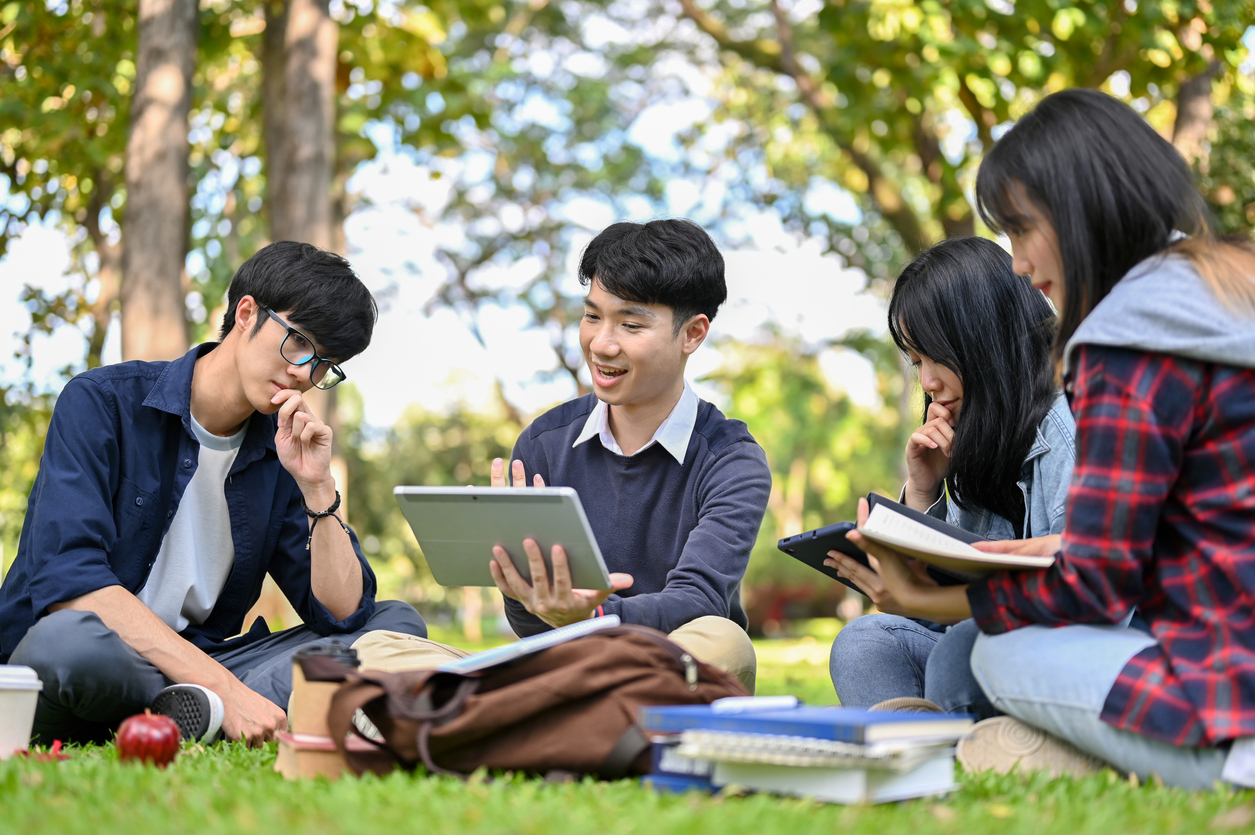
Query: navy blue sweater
x=684 y=532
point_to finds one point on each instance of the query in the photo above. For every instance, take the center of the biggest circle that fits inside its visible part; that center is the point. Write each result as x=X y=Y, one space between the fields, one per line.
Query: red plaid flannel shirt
x=1161 y=516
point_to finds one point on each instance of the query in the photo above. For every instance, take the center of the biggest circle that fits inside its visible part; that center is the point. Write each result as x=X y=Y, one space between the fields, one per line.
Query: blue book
x=840 y=724
x=673 y=784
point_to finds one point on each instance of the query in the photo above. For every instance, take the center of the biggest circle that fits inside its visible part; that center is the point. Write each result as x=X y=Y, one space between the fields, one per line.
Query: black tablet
x=812 y=548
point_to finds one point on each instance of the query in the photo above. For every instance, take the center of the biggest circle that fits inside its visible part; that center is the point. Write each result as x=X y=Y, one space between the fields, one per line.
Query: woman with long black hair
x=993 y=456
x=1157 y=347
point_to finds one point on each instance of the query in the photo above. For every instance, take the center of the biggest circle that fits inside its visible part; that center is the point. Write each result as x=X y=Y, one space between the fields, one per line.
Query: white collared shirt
x=673 y=435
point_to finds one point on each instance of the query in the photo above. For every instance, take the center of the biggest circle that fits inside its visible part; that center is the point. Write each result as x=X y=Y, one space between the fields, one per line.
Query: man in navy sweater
x=674 y=491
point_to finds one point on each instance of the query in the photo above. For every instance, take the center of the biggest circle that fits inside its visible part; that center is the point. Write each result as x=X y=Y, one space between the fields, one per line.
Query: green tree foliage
x=423 y=448
x=898 y=101
x=529 y=123
x=824 y=452
x=66 y=75
x=1227 y=172
x=23 y=426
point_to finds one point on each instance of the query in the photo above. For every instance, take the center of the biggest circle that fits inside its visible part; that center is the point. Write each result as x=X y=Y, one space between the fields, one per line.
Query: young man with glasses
x=168 y=490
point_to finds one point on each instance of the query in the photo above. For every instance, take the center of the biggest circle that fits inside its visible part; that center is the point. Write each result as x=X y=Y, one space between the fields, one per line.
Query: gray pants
x=93 y=679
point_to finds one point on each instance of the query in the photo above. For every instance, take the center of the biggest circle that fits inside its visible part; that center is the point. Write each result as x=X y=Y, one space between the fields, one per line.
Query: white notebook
x=527 y=646
x=925 y=538
x=843 y=785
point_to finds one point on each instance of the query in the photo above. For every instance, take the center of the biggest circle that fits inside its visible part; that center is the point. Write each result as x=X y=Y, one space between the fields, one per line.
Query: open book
x=936 y=542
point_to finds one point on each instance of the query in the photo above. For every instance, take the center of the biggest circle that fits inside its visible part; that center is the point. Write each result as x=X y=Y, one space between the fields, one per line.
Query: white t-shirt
x=197 y=552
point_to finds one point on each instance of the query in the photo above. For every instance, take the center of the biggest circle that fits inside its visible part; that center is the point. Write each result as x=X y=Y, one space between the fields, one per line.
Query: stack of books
x=839 y=755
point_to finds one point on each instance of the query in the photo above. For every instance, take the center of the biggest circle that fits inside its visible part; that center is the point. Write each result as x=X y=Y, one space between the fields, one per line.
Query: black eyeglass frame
x=313 y=356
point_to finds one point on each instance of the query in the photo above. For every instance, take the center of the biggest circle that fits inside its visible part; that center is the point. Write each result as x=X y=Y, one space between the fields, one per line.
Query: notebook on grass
x=843 y=785
x=807 y=752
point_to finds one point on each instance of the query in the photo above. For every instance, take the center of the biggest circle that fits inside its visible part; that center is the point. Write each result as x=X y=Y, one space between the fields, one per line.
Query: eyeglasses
x=298 y=349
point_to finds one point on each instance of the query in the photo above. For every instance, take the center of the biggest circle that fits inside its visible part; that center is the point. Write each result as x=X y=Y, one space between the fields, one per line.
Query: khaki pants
x=715 y=640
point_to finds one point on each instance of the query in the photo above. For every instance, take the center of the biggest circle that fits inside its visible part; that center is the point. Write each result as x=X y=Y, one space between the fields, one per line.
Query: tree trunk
x=1194 y=112
x=301 y=145
x=302 y=125
x=154 y=322
x=299 y=88
x=299 y=52
x=273 y=113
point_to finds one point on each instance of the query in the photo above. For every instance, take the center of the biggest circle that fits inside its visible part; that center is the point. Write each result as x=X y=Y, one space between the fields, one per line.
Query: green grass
x=229 y=789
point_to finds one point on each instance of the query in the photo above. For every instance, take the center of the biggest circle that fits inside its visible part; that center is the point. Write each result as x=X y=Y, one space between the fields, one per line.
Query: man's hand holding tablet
x=556 y=603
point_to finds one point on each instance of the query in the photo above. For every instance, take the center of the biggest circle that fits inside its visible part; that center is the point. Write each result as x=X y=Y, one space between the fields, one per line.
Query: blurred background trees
x=169 y=139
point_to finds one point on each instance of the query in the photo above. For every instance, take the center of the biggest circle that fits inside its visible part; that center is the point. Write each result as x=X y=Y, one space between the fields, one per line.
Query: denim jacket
x=118 y=455
x=1044 y=478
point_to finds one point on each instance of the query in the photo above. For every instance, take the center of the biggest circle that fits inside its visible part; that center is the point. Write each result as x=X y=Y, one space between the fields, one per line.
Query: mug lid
x=334 y=648
x=17 y=677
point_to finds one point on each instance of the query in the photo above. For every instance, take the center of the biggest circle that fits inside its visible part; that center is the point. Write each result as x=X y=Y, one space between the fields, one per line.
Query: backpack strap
x=344 y=703
x=451 y=708
x=619 y=761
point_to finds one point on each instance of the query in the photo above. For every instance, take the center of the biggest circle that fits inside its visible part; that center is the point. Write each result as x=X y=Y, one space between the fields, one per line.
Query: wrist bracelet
x=316 y=515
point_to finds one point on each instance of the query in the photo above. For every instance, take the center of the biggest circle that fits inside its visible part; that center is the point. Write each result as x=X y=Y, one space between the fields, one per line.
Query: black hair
x=961 y=305
x=670 y=262
x=1111 y=187
x=318 y=289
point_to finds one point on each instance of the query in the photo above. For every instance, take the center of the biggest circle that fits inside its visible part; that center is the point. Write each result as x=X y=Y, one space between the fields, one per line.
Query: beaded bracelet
x=331 y=511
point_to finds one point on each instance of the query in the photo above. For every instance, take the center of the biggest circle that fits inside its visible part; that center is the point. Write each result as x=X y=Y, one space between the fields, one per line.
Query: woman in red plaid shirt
x=1157 y=348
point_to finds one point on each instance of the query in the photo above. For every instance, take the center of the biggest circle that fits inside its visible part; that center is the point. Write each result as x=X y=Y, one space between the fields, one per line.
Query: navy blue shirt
x=683 y=531
x=119 y=453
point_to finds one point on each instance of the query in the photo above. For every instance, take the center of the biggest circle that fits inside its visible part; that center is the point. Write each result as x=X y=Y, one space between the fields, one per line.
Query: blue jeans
x=92 y=679
x=1058 y=680
x=879 y=657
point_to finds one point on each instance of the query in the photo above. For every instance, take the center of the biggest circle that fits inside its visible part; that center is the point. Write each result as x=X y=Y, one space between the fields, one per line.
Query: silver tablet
x=457 y=527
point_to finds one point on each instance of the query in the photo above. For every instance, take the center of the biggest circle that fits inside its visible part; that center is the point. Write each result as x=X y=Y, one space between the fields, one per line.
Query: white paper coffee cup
x=19 y=692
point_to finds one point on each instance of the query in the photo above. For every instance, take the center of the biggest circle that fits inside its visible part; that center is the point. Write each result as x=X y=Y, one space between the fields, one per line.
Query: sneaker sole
x=191 y=710
x=908 y=704
x=1002 y=744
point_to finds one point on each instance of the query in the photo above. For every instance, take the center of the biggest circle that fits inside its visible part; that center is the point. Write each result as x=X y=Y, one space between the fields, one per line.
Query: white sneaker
x=1004 y=743
x=197 y=710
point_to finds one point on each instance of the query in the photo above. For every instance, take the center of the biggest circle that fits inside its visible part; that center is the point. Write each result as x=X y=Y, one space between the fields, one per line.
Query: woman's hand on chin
x=928 y=457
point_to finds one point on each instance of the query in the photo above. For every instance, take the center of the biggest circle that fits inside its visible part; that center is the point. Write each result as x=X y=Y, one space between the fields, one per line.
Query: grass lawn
x=229 y=789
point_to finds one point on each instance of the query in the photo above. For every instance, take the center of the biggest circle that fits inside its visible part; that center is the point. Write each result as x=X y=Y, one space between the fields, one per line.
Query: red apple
x=149 y=738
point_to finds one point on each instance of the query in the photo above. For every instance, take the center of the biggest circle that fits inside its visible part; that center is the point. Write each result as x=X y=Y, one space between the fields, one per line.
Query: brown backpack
x=569 y=708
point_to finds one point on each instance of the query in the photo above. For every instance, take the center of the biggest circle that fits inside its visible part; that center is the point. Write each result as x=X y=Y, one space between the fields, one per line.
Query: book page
x=897 y=529
x=889 y=527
